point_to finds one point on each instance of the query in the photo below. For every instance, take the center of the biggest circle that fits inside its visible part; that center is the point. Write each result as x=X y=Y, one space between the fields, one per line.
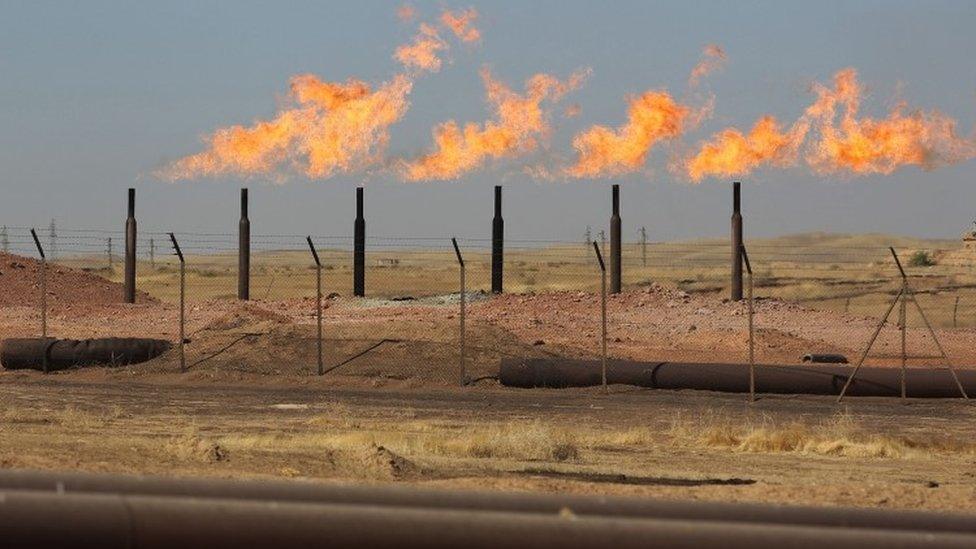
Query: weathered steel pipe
x=401 y=496
x=129 y=288
x=736 y=243
x=135 y=521
x=60 y=354
x=244 y=252
x=734 y=378
x=497 y=244
x=359 y=248
x=615 y=250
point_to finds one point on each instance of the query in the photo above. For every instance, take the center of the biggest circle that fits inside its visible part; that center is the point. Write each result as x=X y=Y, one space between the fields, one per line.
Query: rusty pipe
x=734 y=378
x=403 y=496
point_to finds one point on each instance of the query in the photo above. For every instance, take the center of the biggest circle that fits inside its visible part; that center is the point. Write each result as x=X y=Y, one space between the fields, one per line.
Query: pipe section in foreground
x=402 y=496
x=135 y=521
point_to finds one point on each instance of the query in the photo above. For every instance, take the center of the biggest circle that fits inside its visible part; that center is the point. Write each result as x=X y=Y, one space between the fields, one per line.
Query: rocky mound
x=20 y=285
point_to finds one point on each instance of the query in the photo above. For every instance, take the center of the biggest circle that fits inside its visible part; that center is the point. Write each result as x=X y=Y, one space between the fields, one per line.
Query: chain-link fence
x=813 y=294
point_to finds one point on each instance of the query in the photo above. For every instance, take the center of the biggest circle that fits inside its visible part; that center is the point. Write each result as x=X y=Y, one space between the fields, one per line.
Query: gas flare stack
x=736 y=243
x=244 y=252
x=359 y=248
x=130 y=250
x=497 y=244
x=615 y=253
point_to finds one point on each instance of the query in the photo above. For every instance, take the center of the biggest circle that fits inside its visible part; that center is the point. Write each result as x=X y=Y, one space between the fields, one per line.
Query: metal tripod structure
x=905 y=294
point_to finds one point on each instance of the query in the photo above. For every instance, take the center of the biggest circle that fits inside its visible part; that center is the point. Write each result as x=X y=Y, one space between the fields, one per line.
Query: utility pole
x=643 y=237
x=52 y=239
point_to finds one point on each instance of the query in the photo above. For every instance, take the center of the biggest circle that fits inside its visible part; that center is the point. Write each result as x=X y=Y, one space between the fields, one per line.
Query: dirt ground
x=389 y=409
x=688 y=445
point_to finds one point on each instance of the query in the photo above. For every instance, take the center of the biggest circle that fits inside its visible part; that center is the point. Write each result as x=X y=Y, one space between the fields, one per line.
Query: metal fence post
x=108 y=249
x=318 y=302
x=752 y=347
x=603 y=315
x=460 y=260
x=152 y=253
x=40 y=250
x=902 y=318
x=179 y=254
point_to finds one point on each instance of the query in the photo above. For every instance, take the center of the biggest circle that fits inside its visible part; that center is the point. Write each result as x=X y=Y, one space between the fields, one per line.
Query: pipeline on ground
x=811 y=379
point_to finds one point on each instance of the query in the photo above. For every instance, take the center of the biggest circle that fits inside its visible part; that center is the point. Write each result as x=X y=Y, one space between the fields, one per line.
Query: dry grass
x=840 y=435
x=523 y=441
x=190 y=445
x=69 y=417
x=520 y=441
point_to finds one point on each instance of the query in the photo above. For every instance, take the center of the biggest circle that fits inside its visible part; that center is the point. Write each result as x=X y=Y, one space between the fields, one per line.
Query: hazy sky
x=96 y=95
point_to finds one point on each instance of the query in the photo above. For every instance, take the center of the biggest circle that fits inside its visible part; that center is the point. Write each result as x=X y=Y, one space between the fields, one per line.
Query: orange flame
x=323 y=129
x=713 y=58
x=867 y=145
x=330 y=127
x=730 y=153
x=461 y=24
x=651 y=117
x=422 y=53
x=519 y=120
